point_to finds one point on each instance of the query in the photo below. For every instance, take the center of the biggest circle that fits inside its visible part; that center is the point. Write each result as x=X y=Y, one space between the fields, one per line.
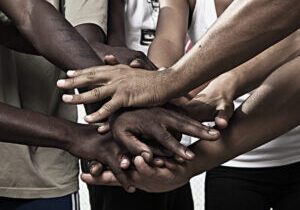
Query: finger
x=136 y=63
x=160 y=151
x=92 y=96
x=158 y=162
x=120 y=175
x=96 y=168
x=104 y=128
x=106 y=110
x=179 y=159
x=92 y=70
x=84 y=80
x=188 y=126
x=165 y=138
x=111 y=60
x=170 y=164
x=142 y=167
x=133 y=145
x=224 y=113
x=106 y=178
x=125 y=162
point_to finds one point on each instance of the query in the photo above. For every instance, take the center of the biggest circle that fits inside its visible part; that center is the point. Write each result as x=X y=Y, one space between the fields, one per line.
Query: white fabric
x=204 y=16
x=281 y=151
x=139 y=15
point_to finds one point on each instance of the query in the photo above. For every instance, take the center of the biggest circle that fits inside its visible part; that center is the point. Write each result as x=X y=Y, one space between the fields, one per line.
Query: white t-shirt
x=143 y=15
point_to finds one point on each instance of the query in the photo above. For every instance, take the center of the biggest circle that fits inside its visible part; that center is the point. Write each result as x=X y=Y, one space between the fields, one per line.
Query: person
x=202 y=63
x=245 y=132
x=38 y=177
x=274 y=56
x=127 y=32
x=69 y=50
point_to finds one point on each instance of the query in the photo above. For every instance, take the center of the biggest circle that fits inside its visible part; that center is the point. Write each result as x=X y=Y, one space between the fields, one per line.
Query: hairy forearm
x=245 y=29
x=270 y=112
x=26 y=127
x=251 y=74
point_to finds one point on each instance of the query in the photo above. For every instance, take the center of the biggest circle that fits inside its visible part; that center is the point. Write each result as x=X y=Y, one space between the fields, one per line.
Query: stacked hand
x=148 y=136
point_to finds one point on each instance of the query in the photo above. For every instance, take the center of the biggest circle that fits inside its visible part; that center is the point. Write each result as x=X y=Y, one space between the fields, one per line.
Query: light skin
x=252 y=125
x=229 y=43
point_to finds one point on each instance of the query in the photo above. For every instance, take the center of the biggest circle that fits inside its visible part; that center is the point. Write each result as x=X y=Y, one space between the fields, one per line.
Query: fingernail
x=67 y=97
x=131 y=189
x=61 y=82
x=146 y=156
x=101 y=128
x=89 y=118
x=71 y=73
x=213 y=132
x=190 y=154
x=124 y=162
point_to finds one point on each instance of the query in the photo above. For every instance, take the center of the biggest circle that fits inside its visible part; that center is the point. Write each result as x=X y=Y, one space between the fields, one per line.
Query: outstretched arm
x=263 y=117
x=215 y=102
x=245 y=29
x=50 y=33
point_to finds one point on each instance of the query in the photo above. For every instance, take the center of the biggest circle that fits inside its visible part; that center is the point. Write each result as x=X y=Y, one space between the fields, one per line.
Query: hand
x=130 y=128
x=88 y=144
x=147 y=178
x=122 y=55
x=213 y=103
x=127 y=86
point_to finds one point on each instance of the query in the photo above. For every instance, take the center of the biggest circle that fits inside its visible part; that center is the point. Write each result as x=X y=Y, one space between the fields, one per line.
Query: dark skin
x=55 y=39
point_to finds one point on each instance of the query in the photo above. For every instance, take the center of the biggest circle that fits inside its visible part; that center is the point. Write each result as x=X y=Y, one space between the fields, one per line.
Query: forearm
x=50 y=34
x=245 y=29
x=116 y=23
x=11 y=38
x=252 y=73
x=26 y=127
x=263 y=117
x=165 y=53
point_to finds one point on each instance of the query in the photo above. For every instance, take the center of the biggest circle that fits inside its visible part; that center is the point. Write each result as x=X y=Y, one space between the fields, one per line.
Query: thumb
x=110 y=60
x=136 y=63
x=224 y=113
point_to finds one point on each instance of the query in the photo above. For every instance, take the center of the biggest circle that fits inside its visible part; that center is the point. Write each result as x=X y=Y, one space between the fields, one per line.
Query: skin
x=246 y=131
x=215 y=102
x=68 y=50
x=231 y=37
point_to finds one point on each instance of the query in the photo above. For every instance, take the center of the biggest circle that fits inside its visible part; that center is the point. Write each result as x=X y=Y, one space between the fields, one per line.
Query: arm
x=215 y=102
x=50 y=34
x=11 y=38
x=227 y=44
x=116 y=26
x=168 y=45
x=231 y=41
x=263 y=117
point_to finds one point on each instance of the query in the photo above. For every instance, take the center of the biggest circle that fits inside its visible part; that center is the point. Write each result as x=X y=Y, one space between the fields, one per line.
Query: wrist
x=171 y=84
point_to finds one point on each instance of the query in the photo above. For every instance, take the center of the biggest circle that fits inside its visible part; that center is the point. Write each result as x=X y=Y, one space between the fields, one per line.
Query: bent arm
x=168 y=46
x=270 y=112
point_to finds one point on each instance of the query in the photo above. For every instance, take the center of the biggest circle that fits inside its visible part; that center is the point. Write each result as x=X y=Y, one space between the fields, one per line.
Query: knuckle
x=107 y=107
x=96 y=93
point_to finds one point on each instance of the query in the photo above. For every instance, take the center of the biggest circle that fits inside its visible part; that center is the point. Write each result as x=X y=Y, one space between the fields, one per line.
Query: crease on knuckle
x=96 y=93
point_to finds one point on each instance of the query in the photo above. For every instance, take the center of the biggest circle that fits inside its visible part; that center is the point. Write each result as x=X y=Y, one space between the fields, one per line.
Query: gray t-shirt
x=29 y=82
